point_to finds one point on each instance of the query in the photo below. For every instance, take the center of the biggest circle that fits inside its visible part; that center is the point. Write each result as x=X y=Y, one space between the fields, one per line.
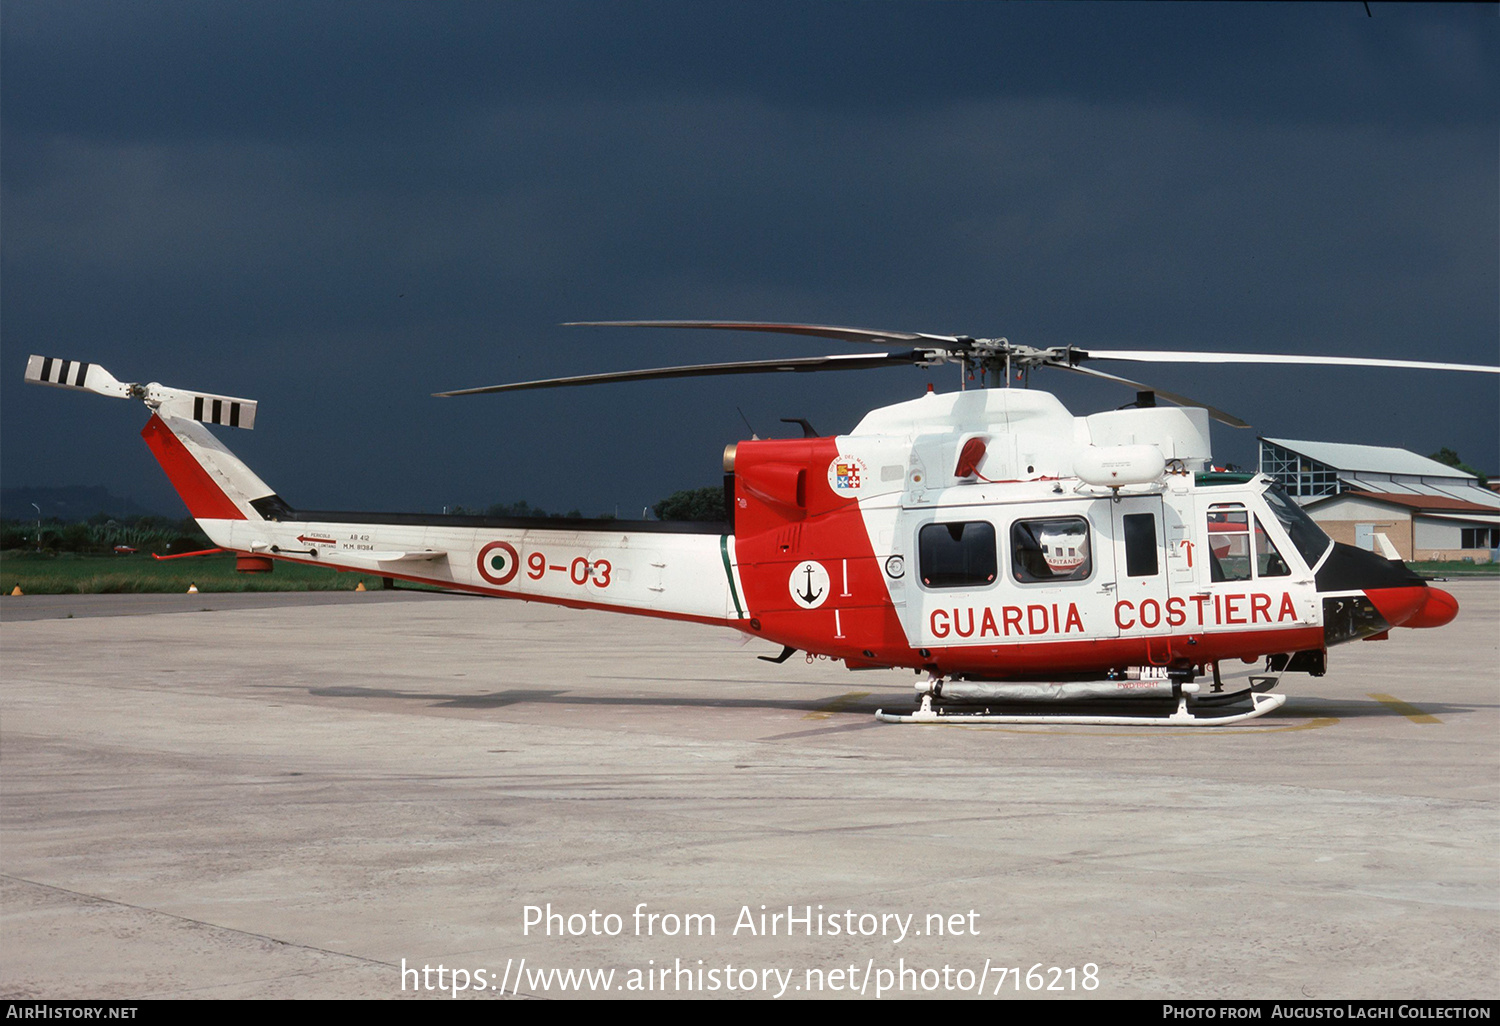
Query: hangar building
x=1363 y=494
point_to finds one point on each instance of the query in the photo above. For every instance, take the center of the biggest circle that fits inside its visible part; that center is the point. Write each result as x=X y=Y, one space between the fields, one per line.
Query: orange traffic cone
x=17 y=590
x=360 y=586
x=192 y=589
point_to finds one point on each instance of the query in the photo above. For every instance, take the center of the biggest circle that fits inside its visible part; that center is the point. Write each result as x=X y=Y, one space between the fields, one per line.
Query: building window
x=957 y=555
x=1054 y=549
x=1296 y=473
x=1480 y=538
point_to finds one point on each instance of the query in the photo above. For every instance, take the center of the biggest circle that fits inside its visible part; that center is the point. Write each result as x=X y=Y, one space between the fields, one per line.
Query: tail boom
x=672 y=571
x=682 y=574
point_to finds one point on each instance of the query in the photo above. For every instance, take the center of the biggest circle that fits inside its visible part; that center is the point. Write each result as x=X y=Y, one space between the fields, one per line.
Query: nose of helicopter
x=1397 y=605
x=1439 y=608
x=1416 y=606
x=1391 y=595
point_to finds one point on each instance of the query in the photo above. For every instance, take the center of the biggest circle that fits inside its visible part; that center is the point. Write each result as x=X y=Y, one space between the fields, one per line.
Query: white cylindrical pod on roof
x=1114 y=465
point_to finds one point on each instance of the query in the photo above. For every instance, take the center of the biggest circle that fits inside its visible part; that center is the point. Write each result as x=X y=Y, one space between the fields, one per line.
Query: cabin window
x=1054 y=549
x=958 y=555
x=1140 y=545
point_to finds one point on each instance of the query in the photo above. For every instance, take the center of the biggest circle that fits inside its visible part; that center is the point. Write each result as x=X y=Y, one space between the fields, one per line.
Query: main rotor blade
x=1181 y=400
x=801 y=365
x=879 y=338
x=1165 y=356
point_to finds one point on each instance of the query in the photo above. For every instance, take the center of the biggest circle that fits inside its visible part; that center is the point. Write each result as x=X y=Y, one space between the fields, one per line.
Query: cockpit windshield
x=1305 y=533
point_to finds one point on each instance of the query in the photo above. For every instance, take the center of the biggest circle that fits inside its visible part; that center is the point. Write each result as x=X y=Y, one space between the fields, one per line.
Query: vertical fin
x=205 y=497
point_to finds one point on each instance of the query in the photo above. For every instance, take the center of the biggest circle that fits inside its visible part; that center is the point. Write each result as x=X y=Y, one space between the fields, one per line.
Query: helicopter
x=1029 y=565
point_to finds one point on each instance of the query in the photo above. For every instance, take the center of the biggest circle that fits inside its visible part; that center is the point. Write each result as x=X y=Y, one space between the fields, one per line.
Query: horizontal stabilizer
x=227 y=410
x=420 y=556
x=357 y=556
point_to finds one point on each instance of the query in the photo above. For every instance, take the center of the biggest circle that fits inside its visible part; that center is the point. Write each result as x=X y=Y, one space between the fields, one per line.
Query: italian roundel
x=498 y=562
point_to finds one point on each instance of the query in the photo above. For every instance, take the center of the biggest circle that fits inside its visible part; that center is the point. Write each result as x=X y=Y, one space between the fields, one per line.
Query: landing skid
x=978 y=711
x=1260 y=704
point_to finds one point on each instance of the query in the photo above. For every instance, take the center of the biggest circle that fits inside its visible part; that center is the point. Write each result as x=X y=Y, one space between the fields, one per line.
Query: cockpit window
x=1228 y=543
x=1305 y=533
x=1268 y=561
x=1239 y=547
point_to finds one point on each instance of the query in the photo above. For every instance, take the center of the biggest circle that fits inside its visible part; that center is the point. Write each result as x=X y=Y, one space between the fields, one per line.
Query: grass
x=1451 y=568
x=74 y=574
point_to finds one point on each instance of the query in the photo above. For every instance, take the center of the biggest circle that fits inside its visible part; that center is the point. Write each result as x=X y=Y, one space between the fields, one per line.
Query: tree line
x=701 y=504
x=102 y=533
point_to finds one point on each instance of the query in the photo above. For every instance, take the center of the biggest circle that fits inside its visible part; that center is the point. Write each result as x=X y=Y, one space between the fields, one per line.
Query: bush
x=101 y=534
x=704 y=504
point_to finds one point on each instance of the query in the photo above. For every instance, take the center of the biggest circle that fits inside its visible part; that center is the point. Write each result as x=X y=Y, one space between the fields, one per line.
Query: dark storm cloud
x=339 y=208
x=296 y=70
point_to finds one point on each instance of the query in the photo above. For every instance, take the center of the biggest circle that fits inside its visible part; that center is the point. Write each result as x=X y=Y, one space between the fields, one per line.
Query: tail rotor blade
x=86 y=377
x=228 y=410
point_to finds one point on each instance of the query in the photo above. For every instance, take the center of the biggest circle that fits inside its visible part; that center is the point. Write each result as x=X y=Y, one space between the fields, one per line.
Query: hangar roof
x=1373 y=459
x=1423 y=503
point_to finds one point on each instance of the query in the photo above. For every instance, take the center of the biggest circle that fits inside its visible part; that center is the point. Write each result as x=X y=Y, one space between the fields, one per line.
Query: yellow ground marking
x=838 y=704
x=1411 y=712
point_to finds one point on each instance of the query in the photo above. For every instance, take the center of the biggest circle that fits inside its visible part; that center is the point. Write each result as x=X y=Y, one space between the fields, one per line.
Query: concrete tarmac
x=276 y=799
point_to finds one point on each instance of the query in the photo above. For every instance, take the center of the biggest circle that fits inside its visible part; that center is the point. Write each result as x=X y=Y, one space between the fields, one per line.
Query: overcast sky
x=339 y=208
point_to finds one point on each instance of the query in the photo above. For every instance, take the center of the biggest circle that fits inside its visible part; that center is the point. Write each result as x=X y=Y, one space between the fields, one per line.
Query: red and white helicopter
x=1028 y=564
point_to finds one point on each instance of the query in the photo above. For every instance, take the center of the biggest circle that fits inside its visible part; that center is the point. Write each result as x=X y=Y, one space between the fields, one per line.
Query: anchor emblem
x=809 y=596
x=808 y=584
